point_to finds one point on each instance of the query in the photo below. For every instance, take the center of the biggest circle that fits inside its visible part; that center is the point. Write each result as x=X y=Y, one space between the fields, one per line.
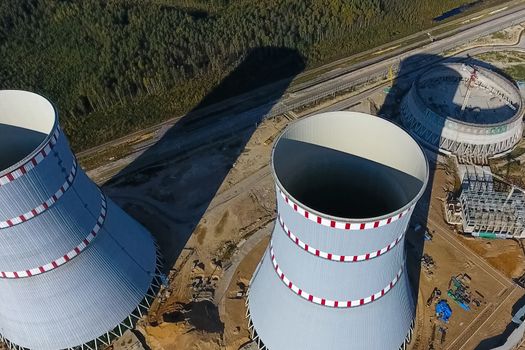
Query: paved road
x=225 y=125
x=380 y=68
x=313 y=93
x=398 y=47
x=411 y=73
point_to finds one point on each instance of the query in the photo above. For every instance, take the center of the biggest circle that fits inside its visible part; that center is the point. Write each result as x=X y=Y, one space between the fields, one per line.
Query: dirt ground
x=211 y=209
x=203 y=307
x=504 y=255
x=189 y=318
x=236 y=333
x=490 y=265
x=198 y=250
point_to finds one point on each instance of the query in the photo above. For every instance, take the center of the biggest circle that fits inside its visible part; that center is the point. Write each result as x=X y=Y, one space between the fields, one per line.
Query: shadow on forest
x=185 y=168
x=409 y=69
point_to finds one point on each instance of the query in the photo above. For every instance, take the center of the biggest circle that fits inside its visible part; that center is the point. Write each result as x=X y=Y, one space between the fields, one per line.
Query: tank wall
x=333 y=279
x=499 y=138
x=64 y=223
x=347 y=132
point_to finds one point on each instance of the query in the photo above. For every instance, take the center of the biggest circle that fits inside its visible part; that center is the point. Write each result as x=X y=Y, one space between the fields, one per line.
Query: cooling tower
x=334 y=275
x=76 y=271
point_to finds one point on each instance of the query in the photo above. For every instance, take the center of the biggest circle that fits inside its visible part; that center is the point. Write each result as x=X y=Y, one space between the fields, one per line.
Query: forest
x=115 y=66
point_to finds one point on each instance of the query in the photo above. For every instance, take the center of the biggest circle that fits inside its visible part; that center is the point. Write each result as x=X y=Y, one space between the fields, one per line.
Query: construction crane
x=469 y=84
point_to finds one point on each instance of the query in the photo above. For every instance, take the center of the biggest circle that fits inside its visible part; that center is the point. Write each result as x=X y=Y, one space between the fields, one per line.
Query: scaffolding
x=487 y=206
x=493 y=214
x=475 y=178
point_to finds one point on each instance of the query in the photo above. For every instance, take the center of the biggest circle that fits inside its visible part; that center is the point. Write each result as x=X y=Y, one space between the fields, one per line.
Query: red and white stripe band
x=336 y=257
x=328 y=302
x=70 y=255
x=47 y=204
x=31 y=163
x=353 y=226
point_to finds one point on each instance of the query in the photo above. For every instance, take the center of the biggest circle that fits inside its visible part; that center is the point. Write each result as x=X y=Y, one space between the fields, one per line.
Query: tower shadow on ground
x=500 y=339
x=169 y=187
x=409 y=69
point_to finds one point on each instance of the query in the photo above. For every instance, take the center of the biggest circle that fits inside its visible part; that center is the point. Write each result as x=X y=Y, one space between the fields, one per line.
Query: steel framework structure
x=498 y=213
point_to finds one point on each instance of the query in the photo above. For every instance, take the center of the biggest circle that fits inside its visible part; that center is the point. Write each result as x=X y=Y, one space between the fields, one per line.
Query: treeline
x=112 y=67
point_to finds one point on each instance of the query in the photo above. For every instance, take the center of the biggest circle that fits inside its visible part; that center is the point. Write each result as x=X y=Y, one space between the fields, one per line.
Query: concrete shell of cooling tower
x=334 y=275
x=75 y=268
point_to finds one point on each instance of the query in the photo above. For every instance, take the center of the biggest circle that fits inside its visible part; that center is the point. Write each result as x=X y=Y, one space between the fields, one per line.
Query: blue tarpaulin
x=443 y=311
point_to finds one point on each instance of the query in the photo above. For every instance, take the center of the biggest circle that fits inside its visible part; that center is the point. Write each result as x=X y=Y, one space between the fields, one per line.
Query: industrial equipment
x=436 y=293
x=459 y=291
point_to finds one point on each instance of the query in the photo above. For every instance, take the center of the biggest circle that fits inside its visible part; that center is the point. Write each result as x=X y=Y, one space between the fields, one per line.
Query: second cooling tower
x=334 y=275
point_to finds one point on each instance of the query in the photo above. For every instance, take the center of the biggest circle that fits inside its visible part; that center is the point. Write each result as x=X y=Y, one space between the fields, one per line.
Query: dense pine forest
x=115 y=66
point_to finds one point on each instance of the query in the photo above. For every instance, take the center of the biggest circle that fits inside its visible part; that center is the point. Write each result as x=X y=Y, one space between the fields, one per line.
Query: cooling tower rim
x=32 y=159
x=490 y=74
x=351 y=223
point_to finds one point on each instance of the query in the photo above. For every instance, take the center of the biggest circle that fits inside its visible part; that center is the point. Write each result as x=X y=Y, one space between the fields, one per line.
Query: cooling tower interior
x=315 y=167
x=26 y=121
x=75 y=270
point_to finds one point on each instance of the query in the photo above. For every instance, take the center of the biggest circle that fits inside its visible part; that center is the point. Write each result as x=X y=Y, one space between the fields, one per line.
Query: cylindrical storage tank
x=73 y=265
x=334 y=275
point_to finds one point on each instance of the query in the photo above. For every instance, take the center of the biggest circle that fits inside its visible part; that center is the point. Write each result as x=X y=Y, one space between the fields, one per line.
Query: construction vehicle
x=443 y=331
x=436 y=293
x=428 y=263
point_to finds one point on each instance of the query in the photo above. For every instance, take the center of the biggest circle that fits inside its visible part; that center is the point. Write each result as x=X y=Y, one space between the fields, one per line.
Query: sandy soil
x=201 y=231
x=198 y=249
x=235 y=331
x=505 y=255
x=508 y=36
x=452 y=257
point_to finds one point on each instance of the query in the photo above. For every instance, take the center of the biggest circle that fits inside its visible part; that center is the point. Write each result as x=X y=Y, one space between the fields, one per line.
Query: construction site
x=204 y=305
x=207 y=194
x=468 y=288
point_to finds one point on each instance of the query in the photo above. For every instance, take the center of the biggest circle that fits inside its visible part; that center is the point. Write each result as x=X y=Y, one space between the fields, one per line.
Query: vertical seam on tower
x=44 y=205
